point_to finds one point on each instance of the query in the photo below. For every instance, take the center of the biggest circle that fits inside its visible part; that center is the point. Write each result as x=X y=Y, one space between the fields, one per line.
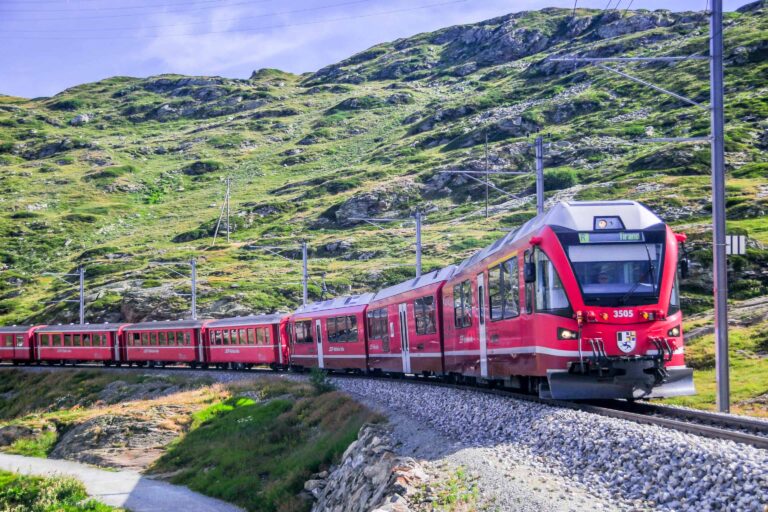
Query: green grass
x=748 y=376
x=259 y=454
x=39 y=446
x=36 y=494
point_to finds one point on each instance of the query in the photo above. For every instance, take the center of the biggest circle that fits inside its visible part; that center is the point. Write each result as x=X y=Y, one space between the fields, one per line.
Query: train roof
x=15 y=329
x=80 y=327
x=574 y=215
x=247 y=320
x=430 y=278
x=165 y=325
x=336 y=303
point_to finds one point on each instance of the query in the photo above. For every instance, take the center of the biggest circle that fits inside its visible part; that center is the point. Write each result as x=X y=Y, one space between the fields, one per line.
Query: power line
x=254 y=29
x=134 y=7
x=173 y=25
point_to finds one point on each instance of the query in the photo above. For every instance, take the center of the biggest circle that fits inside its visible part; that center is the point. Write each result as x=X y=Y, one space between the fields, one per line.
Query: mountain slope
x=127 y=172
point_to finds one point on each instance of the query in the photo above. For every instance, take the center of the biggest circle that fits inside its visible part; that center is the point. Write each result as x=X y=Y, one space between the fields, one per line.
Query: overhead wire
x=253 y=29
x=217 y=4
x=173 y=25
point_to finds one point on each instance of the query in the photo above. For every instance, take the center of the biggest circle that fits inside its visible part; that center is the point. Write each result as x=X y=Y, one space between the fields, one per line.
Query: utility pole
x=229 y=181
x=81 y=272
x=304 y=274
x=487 y=179
x=418 y=238
x=539 y=175
x=717 y=144
x=81 y=289
x=193 y=264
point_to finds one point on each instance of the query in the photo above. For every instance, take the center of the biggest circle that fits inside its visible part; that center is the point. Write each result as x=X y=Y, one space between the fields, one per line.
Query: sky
x=50 y=45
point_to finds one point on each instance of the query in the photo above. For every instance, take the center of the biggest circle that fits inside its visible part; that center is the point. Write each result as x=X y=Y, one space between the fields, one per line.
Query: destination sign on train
x=621 y=236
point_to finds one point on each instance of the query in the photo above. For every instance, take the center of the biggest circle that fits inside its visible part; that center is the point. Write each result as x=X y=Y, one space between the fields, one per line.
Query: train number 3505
x=623 y=313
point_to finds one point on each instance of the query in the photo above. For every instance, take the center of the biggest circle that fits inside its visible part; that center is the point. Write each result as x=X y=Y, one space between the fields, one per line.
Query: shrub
x=557 y=179
x=319 y=380
x=70 y=104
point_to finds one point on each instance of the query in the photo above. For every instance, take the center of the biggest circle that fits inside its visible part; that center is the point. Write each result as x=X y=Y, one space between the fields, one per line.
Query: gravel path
x=574 y=454
x=127 y=489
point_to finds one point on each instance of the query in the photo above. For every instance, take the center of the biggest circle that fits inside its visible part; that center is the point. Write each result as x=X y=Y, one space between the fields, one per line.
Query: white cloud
x=208 y=47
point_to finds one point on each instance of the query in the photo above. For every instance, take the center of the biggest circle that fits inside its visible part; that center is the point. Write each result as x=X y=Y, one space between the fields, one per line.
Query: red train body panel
x=17 y=343
x=249 y=340
x=74 y=342
x=331 y=334
x=178 y=341
x=405 y=332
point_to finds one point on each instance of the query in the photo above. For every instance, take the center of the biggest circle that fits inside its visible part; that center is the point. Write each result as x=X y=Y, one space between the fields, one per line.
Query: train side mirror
x=529 y=272
x=684 y=268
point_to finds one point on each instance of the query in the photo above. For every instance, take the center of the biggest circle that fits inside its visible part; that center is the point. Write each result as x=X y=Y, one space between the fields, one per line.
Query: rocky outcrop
x=391 y=198
x=369 y=478
x=120 y=441
x=12 y=433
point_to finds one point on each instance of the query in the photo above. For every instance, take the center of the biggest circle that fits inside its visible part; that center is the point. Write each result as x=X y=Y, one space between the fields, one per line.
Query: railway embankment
x=530 y=456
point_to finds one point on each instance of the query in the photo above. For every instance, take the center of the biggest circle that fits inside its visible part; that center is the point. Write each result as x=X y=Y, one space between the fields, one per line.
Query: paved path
x=127 y=489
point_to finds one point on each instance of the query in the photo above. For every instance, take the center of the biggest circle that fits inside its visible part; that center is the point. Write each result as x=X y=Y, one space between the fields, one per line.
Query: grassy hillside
x=127 y=172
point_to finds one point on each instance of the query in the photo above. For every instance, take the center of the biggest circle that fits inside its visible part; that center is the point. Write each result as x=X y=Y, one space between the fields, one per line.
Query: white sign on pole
x=736 y=244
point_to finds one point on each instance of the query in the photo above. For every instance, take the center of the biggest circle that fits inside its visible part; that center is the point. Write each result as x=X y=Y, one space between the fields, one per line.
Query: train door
x=481 y=325
x=319 y=334
x=21 y=350
x=404 y=340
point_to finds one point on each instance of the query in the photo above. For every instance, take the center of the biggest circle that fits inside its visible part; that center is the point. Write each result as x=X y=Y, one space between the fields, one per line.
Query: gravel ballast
x=633 y=465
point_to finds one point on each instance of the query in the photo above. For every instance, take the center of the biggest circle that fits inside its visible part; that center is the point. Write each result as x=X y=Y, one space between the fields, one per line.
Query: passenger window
x=187 y=339
x=550 y=295
x=377 y=323
x=342 y=329
x=529 y=288
x=303 y=331
x=462 y=304
x=424 y=313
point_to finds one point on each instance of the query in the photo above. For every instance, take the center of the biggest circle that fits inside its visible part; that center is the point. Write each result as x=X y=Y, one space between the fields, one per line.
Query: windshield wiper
x=648 y=273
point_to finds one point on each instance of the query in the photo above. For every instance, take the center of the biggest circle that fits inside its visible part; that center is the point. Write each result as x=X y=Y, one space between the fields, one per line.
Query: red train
x=579 y=302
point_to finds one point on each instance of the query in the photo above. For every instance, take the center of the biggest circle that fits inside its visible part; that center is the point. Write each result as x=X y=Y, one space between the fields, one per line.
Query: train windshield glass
x=618 y=274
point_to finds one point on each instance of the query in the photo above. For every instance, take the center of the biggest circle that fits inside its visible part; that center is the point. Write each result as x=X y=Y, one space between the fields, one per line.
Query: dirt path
x=127 y=489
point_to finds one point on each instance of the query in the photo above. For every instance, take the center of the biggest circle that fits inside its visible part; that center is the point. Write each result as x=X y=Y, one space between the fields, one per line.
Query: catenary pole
x=81 y=272
x=718 y=205
x=193 y=264
x=487 y=180
x=304 y=274
x=418 y=244
x=229 y=181
x=539 y=175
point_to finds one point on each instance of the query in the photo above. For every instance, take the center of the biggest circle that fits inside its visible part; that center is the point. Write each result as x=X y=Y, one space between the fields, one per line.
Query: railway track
x=734 y=428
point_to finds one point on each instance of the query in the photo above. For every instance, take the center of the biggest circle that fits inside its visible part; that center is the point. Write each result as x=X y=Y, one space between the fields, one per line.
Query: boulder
x=80 y=120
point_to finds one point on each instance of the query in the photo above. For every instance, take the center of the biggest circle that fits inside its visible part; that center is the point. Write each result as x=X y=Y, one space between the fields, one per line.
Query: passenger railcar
x=580 y=302
x=405 y=333
x=331 y=334
x=17 y=344
x=78 y=343
x=161 y=343
x=247 y=341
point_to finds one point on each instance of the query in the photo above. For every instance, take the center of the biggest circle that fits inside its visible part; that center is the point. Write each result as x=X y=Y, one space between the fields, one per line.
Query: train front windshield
x=618 y=274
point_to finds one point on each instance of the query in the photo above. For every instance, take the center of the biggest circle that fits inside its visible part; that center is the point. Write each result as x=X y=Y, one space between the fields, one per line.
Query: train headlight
x=648 y=315
x=674 y=332
x=566 y=334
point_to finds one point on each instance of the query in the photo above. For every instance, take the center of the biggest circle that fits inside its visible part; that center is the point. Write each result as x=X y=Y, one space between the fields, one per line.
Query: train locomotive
x=581 y=302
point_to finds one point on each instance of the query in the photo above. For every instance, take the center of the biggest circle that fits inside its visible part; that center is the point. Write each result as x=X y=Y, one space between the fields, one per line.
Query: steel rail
x=643 y=413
